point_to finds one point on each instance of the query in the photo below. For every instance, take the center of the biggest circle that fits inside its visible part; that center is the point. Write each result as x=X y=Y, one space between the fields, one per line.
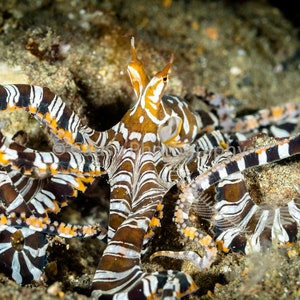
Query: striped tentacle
x=278 y=121
x=122 y=199
x=188 y=170
x=46 y=190
x=10 y=199
x=35 y=196
x=132 y=185
x=23 y=232
x=121 y=182
x=219 y=145
x=43 y=195
x=211 y=150
x=233 y=226
x=242 y=225
x=26 y=186
x=22 y=253
x=43 y=164
x=206 y=151
x=22 y=250
x=219 y=113
x=50 y=110
x=213 y=140
x=191 y=193
x=23 y=243
x=46 y=226
x=169 y=285
x=62 y=175
x=201 y=156
x=239 y=232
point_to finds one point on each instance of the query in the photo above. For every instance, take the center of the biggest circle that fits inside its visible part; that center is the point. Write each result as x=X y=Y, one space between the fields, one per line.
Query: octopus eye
x=168 y=131
x=165 y=79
